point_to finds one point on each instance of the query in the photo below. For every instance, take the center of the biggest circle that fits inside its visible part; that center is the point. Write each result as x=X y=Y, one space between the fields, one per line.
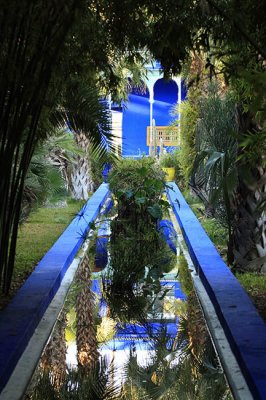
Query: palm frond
x=79 y=384
x=43 y=180
x=83 y=110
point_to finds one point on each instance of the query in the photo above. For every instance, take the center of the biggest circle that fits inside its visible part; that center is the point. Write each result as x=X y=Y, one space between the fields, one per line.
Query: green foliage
x=78 y=384
x=216 y=231
x=162 y=378
x=253 y=150
x=44 y=180
x=214 y=176
x=169 y=160
x=184 y=276
x=33 y=38
x=183 y=371
x=138 y=187
x=189 y=116
x=82 y=110
x=106 y=330
x=63 y=50
x=217 y=121
x=138 y=253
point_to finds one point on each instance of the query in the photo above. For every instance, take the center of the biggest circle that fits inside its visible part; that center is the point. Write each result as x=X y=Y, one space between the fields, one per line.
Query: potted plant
x=167 y=163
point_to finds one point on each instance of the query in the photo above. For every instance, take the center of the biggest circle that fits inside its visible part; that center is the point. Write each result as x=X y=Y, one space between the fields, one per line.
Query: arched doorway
x=165 y=96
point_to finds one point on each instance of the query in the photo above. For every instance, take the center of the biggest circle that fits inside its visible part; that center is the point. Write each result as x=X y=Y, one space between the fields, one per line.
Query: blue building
x=146 y=115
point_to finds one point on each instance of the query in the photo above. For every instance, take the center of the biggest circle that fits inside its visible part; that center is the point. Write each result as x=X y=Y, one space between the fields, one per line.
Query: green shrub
x=189 y=116
x=167 y=160
x=171 y=160
x=139 y=254
x=184 y=276
x=138 y=186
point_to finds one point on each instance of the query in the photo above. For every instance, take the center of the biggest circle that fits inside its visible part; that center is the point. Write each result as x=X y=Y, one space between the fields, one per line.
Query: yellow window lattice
x=169 y=136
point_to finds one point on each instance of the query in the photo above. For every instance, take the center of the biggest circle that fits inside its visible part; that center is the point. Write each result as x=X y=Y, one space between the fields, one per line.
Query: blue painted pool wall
x=244 y=328
x=21 y=317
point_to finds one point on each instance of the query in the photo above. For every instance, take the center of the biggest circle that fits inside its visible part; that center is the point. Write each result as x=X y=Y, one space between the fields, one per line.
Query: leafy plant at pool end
x=138 y=253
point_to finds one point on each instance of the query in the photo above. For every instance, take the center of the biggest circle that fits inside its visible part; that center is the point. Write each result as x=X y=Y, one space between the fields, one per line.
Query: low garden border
x=244 y=328
x=20 y=318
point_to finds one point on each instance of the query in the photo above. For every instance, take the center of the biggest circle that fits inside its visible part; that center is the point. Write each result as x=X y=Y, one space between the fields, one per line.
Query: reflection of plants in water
x=169 y=375
x=138 y=253
x=184 y=275
x=131 y=287
x=124 y=302
x=199 y=342
x=85 y=317
x=53 y=360
x=95 y=383
x=175 y=306
x=106 y=330
x=190 y=370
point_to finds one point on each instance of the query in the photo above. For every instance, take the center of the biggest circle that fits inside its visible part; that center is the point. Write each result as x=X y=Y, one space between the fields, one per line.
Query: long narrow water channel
x=148 y=344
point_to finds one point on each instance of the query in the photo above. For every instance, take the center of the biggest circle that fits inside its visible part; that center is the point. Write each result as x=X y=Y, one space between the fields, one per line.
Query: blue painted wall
x=244 y=328
x=136 y=116
x=20 y=318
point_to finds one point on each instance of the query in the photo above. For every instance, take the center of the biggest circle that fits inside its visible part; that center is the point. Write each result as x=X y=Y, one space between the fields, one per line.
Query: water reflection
x=130 y=343
x=121 y=337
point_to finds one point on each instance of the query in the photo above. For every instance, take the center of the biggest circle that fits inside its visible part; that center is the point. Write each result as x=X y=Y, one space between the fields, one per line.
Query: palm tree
x=249 y=200
x=188 y=371
x=88 y=118
x=214 y=175
x=79 y=384
x=229 y=176
x=44 y=178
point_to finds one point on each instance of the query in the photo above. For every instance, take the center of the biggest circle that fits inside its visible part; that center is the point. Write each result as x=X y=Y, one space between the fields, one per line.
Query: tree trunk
x=80 y=177
x=249 y=225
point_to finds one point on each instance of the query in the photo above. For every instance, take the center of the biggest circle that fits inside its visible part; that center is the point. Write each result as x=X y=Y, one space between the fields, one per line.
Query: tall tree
x=37 y=58
x=31 y=36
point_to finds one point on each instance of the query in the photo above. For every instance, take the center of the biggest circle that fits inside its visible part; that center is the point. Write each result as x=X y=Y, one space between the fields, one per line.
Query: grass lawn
x=255 y=285
x=215 y=230
x=36 y=236
x=253 y=282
